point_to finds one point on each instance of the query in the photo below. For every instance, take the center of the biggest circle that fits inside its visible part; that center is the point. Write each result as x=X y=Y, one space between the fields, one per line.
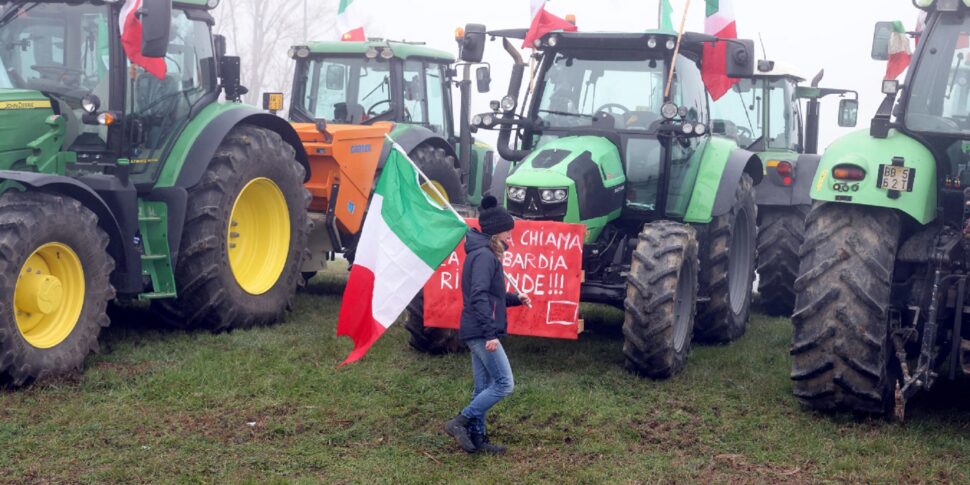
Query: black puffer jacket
x=483 y=291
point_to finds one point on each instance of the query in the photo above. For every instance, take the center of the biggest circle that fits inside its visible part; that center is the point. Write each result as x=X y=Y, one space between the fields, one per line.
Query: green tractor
x=116 y=182
x=764 y=115
x=407 y=84
x=882 y=290
x=669 y=209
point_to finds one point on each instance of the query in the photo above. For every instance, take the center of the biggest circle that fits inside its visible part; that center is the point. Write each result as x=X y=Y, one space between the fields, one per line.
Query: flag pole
x=680 y=36
x=444 y=199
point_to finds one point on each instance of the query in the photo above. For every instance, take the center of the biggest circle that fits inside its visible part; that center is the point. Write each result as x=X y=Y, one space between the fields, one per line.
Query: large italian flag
x=350 y=23
x=900 y=53
x=406 y=236
x=131 y=37
x=720 y=22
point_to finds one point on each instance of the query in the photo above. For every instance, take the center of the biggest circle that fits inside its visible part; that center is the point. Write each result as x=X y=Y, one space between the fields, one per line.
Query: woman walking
x=483 y=322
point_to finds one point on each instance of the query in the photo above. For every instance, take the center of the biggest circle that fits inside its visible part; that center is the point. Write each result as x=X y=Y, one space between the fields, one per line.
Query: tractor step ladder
x=155 y=261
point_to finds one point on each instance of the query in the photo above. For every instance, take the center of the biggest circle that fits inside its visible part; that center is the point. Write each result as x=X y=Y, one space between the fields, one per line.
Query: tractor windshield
x=737 y=114
x=576 y=89
x=940 y=90
x=347 y=89
x=59 y=49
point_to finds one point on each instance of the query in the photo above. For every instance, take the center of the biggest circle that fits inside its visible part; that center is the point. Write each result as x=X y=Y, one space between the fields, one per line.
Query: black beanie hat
x=494 y=219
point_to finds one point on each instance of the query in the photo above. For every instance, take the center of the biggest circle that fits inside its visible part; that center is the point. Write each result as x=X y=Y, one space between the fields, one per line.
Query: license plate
x=892 y=177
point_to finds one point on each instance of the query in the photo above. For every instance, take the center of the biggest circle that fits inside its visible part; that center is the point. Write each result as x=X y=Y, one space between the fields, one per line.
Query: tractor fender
x=208 y=139
x=410 y=137
x=738 y=163
x=805 y=168
x=771 y=192
x=127 y=275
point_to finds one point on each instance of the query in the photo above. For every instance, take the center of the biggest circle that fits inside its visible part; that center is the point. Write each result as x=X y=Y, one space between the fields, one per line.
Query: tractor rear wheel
x=245 y=236
x=780 y=236
x=727 y=269
x=429 y=340
x=840 y=345
x=661 y=300
x=441 y=169
x=54 y=285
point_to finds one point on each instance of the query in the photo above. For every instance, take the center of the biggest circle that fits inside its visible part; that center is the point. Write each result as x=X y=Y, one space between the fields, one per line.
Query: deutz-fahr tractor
x=764 y=115
x=348 y=92
x=117 y=182
x=669 y=209
x=882 y=291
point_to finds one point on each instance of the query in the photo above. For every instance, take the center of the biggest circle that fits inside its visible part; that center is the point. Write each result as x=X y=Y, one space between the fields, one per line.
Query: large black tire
x=429 y=340
x=840 y=345
x=727 y=269
x=780 y=235
x=440 y=167
x=661 y=300
x=209 y=295
x=28 y=221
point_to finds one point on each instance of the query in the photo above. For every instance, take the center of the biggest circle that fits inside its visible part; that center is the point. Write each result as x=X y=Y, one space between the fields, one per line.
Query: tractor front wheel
x=780 y=235
x=661 y=300
x=840 y=346
x=245 y=236
x=54 y=285
x=727 y=269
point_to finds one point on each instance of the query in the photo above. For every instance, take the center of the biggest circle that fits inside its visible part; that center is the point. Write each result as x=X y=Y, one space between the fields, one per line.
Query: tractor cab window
x=347 y=90
x=576 y=92
x=159 y=103
x=60 y=50
x=783 y=127
x=737 y=115
x=940 y=89
x=424 y=96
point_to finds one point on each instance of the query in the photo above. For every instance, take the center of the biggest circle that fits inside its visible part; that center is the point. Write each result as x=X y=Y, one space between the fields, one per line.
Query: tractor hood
x=22 y=120
x=587 y=168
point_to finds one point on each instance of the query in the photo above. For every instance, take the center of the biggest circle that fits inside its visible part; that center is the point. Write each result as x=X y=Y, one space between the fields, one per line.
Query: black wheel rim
x=683 y=304
x=740 y=259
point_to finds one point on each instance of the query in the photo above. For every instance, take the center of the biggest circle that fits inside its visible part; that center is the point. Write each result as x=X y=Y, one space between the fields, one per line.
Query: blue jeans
x=493 y=381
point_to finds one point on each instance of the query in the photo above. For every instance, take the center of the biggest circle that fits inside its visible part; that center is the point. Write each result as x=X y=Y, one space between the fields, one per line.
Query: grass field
x=268 y=405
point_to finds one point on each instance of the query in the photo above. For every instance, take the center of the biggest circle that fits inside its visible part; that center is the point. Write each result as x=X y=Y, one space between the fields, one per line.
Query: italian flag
x=899 y=51
x=131 y=37
x=544 y=22
x=349 y=22
x=720 y=22
x=406 y=236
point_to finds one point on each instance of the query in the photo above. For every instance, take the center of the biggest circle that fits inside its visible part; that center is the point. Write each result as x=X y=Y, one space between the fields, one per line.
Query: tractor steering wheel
x=606 y=108
x=745 y=133
x=67 y=76
x=371 y=111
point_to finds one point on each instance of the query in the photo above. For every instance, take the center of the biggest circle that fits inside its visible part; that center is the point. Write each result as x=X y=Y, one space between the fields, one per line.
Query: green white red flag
x=131 y=38
x=900 y=53
x=720 y=22
x=544 y=22
x=406 y=236
x=350 y=24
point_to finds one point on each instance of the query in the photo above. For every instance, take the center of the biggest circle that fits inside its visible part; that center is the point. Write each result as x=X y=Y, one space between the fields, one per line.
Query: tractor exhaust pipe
x=812 y=119
x=505 y=148
x=465 y=137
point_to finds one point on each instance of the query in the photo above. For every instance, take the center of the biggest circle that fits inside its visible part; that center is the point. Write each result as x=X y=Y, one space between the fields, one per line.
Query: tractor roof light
x=668 y=111
x=371 y=53
x=571 y=18
x=682 y=111
x=387 y=53
x=488 y=121
x=688 y=128
x=508 y=104
x=552 y=41
x=477 y=120
x=652 y=42
x=459 y=33
x=671 y=43
x=302 y=51
x=700 y=129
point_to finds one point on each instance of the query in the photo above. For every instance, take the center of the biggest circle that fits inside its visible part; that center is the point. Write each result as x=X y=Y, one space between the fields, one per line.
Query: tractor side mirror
x=483 y=79
x=219 y=42
x=740 y=58
x=472 y=45
x=880 y=40
x=336 y=76
x=156 y=20
x=848 y=113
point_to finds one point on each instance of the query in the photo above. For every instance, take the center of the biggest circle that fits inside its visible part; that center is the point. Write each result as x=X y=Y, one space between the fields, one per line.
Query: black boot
x=482 y=445
x=457 y=428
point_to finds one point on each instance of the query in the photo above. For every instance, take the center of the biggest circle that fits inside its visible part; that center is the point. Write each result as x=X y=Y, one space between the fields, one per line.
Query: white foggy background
x=807 y=35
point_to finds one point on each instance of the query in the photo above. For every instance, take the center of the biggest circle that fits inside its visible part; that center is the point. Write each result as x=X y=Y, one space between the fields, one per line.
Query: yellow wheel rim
x=49 y=295
x=259 y=236
x=431 y=193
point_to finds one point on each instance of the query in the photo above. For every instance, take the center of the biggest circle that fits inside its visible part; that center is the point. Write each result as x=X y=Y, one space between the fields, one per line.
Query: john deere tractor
x=406 y=87
x=118 y=181
x=882 y=292
x=764 y=115
x=669 y=209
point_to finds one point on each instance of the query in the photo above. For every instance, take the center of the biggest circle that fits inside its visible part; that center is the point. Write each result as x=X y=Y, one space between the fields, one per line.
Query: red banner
x=545 y=261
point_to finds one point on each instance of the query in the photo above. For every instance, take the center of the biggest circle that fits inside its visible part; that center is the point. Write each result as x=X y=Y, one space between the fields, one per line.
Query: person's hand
x=491 y=345
x=525 y=299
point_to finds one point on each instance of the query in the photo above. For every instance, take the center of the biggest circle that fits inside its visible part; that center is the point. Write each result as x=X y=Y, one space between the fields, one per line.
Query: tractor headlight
x=668 y=111
x=553 y=196
x=517 y=194
x=700 y=129
x=652 y=42
x=508 y=104
x=488 y=120
x=671 y=44
x=688 y=128
x=387 y=53
x=90 y=103
x=553 y=41
x=477 y=120
x=303 y=51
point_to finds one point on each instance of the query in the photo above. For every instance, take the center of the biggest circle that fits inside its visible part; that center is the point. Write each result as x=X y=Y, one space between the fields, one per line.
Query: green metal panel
x=156 y=262
x=401 y=50
x=713 y=161
x=176 y=158
x=24 y=117
x=858 y=148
